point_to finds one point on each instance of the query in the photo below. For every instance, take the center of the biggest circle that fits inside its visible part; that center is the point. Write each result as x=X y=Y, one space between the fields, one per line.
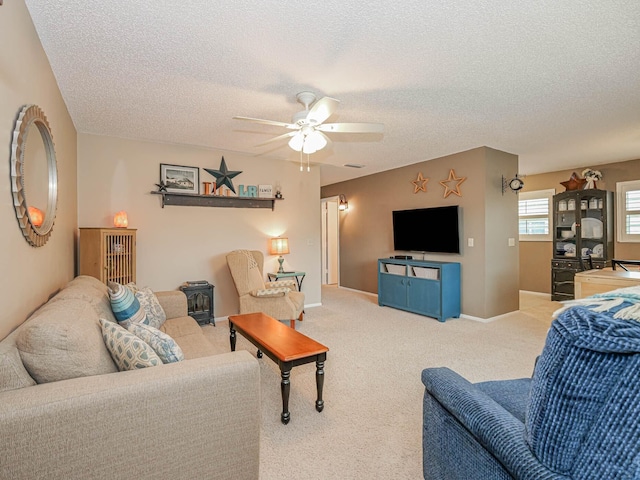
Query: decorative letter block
x=265 y=191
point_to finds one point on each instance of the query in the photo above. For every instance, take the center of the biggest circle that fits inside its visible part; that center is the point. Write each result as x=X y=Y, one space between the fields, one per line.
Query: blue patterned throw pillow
x=127 y=350
x=151 y=306
x=164 y=346
x=126 y=307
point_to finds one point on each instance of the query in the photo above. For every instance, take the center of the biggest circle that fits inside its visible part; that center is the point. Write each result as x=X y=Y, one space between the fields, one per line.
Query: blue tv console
x=424 y=287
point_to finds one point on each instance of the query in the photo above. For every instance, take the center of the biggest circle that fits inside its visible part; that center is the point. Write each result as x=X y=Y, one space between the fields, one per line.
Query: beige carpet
x=371 y=424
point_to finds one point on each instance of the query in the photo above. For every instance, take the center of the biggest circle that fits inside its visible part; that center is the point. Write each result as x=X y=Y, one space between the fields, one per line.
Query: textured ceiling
x=557 y=83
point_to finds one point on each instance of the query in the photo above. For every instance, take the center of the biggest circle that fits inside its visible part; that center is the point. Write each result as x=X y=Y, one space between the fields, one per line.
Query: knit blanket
x=623 y=303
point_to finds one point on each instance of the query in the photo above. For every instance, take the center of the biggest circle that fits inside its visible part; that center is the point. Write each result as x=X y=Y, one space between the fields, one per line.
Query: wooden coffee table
x=285 y=346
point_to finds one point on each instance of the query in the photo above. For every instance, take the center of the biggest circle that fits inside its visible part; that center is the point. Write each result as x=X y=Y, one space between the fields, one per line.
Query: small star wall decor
x=452 y=178
x=574 y=183
x=420 y=183
x=223 y=176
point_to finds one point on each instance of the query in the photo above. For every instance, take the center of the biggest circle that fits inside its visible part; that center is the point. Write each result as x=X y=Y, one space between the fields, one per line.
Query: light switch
x=512 y=242
x=470 y=242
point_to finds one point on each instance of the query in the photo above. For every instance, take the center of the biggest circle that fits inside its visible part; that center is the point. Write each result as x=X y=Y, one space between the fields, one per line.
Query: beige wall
x=535 y=257
x=489 y=269
x=501 y=224
x=178 y=243
x=30 y=275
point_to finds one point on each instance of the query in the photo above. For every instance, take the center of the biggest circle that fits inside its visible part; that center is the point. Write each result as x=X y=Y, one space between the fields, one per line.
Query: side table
x=199 y=301
x=299 y=276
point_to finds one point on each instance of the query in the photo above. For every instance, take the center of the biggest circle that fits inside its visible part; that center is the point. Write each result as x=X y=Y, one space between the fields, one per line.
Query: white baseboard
x=475 y=319
x=359 y=291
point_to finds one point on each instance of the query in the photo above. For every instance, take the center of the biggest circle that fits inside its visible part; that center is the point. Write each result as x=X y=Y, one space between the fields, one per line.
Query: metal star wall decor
x=223 y=176
x=420 y=183
x=574 y=182
x=452 y=178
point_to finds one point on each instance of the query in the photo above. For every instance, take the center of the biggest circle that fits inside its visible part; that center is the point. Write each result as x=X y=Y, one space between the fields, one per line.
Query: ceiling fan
x=308 y=128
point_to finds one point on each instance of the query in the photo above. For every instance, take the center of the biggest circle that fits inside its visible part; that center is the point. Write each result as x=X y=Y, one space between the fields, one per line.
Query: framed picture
x=180 y=179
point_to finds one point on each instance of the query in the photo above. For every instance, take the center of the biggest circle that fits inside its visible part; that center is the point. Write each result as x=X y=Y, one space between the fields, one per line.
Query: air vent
x=353 y=165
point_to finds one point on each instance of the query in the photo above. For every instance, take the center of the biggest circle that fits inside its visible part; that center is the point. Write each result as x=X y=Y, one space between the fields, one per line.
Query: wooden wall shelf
x=185 y=199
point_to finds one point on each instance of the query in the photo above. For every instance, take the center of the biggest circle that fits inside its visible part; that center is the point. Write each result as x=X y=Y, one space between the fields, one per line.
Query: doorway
x=330 y=241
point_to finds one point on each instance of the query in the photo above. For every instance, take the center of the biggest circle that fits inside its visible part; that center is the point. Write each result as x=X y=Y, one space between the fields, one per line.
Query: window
x=628 y=211
x=534 y=215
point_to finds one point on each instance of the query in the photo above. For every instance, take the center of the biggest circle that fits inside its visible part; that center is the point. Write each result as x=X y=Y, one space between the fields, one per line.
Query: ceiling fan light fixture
x=296 y=142
x=310 y=125
x=308 y=148
x=316 y=139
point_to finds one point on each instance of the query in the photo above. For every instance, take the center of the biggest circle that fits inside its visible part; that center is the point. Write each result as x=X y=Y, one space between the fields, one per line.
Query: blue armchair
x=578 y=417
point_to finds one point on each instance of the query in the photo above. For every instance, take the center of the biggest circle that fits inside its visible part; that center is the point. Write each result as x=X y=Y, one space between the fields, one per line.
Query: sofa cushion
x=127 y=350
x=13 y=375
x=512 y=395
x=164 y=346
x=585 y=397
x=91 y=290
x=62 y=340
x=126 y=307
x=188 y=334
x=297 y=298
x=153 y=310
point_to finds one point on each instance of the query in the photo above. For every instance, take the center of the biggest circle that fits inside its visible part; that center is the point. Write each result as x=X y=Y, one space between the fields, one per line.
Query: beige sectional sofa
x=67 y=413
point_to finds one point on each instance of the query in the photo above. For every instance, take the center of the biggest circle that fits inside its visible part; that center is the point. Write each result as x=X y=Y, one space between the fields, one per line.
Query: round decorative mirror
x=34 y=175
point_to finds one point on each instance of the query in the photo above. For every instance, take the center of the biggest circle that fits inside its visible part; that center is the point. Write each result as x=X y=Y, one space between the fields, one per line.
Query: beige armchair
x=279 y=300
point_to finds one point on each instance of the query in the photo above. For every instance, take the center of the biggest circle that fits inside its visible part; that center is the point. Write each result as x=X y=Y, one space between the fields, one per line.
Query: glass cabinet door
x=566 y=225
x=592 y=224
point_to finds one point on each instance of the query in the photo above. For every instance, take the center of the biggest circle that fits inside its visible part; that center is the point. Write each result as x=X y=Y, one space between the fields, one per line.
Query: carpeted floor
x=371 y=424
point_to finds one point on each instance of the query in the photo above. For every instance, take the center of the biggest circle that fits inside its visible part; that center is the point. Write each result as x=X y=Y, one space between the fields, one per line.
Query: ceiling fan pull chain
x=308 y=167
x=300 y=159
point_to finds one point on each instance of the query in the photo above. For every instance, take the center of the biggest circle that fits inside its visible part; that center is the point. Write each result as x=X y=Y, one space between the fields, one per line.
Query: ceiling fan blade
x=351 y=127
x=267 y=122
x=322 y=110
x=279 y=137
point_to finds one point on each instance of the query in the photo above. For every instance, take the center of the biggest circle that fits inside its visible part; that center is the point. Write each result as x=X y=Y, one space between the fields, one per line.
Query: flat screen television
x=426 y=230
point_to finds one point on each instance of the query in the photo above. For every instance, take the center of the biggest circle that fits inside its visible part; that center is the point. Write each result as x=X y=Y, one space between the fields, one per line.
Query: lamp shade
x=279 y=246
x=296 y=141
x=344 y=205
x=120 y=220
x=317 y=140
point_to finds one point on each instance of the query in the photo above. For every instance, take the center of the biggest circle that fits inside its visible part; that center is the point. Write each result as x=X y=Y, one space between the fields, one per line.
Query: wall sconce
x=35 y=214
x=120 y=220
x=279 y=246
x=344 y=205
x=515 y=184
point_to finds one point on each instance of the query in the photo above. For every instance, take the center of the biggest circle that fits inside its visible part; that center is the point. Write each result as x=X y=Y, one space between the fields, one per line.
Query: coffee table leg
x=319 y=384
x=232 y=337
x=285 y=387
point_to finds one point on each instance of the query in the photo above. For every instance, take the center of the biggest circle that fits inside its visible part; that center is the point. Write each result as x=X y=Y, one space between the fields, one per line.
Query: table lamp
x=120 y=220
x=279 y=246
